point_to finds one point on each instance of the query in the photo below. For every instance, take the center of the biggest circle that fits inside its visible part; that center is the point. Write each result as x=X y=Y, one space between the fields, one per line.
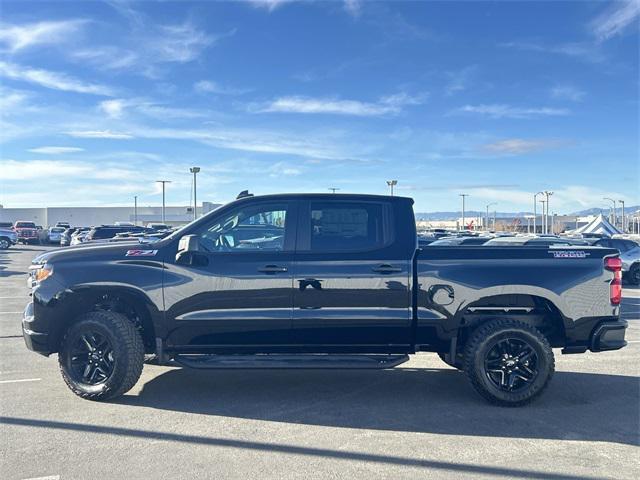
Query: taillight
x=614 y=264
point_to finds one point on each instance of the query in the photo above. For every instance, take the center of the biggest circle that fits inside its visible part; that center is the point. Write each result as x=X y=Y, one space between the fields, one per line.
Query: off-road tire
x=484 y=338
x=128 y=355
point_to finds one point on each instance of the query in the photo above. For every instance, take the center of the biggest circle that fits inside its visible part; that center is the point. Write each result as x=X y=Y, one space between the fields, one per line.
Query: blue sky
x=495 y=99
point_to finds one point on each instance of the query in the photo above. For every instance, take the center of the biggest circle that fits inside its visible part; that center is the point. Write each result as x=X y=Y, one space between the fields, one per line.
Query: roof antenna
x=244 y=194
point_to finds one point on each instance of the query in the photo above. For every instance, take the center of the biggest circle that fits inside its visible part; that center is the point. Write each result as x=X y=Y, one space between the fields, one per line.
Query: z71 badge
x=569 y=254
x=141 y=253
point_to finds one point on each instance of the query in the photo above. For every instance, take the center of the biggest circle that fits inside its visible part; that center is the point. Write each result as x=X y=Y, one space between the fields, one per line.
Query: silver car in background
x=8 y=237
x=55 y=234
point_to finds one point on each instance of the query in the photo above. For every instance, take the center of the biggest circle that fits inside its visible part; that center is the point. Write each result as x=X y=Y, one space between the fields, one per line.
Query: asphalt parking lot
x=420 y=420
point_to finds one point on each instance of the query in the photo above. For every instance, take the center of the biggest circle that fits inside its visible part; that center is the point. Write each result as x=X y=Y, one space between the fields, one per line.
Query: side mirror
x=188 y=249
x=189 y=243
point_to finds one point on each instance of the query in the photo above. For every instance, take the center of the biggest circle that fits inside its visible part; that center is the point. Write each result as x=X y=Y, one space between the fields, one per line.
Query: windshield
x=25 y=225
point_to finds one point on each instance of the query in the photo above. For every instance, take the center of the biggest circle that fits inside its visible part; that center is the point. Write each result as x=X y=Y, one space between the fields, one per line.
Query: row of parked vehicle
x=64 y=235
x=114 y=233
x=629 y=249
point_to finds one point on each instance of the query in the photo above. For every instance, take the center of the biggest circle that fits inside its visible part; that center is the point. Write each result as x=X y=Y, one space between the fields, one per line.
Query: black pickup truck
x=320 y=281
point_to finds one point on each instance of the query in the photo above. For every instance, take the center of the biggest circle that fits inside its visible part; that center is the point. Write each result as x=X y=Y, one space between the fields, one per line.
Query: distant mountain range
x=475 y=213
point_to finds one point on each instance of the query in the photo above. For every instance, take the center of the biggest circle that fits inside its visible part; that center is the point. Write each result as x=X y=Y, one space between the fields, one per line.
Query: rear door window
x=347 y=226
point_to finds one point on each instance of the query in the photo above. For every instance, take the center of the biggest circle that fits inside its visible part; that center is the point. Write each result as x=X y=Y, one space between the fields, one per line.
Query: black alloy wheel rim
x=636 y=275
x=91 y=358
x=511 y=364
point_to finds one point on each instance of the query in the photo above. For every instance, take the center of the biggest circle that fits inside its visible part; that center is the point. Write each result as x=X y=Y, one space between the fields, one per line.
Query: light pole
x=135 y=210
x=464 y=196
x=487 y=227
x=195 y=171
x=392 y=183
x=614 y=209
x=546 y=221
x=534 y=212
x=333 y=189
x=163 y=182
x=543 y=226
x=621 y=202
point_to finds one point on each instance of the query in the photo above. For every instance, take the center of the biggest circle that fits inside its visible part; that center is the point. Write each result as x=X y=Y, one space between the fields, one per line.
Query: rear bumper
x=608 y=335
x=35 y=341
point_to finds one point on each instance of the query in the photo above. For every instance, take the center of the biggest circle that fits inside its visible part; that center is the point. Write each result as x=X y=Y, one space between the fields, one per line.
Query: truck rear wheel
x=508 y=362
x=101 y=356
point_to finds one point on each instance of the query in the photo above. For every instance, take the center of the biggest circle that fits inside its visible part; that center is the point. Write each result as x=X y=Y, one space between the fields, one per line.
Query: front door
x=239 y=291
x=351 y=285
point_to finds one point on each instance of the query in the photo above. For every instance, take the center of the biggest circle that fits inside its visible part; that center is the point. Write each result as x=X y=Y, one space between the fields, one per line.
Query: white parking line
x=21 y=380
x=50 y=477
x=17 y=296
x=12 y=313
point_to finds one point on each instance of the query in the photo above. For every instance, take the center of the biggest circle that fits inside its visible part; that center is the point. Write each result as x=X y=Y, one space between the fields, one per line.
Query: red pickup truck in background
x=27 y=232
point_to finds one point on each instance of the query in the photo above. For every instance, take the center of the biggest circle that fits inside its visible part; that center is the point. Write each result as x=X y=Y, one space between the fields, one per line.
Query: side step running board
x=290 y=361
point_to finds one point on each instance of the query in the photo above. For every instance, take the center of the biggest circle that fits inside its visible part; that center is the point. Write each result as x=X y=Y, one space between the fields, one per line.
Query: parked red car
x=27 y=232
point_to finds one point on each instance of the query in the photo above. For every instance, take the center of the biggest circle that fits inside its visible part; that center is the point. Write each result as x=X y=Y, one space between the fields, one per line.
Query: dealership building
x=89 y=216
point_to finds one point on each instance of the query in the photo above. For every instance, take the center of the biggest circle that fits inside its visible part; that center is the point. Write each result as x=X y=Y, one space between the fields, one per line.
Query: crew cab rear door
x=351 y=281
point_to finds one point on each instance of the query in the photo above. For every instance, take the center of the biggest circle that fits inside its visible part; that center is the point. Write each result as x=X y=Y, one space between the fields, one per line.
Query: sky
x=498 y=100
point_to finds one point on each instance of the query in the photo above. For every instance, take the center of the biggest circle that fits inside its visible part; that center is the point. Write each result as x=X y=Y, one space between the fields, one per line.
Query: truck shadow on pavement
x=576 y=406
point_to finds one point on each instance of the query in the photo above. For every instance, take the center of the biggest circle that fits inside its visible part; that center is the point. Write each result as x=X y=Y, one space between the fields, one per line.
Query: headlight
x=40 y=273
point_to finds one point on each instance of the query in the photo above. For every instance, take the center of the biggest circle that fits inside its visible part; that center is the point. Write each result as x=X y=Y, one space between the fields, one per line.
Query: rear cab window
x=346 y=226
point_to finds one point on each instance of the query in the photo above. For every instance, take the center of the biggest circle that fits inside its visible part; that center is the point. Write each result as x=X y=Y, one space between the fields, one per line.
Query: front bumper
x=608 y=335
x=35 y=341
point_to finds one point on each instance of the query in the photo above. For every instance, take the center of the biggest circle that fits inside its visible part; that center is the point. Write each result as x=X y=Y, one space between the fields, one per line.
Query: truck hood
x=97 y=251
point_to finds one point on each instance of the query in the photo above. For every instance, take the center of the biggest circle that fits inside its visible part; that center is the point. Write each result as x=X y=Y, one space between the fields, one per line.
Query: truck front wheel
x=508 y=362
x=101 y=356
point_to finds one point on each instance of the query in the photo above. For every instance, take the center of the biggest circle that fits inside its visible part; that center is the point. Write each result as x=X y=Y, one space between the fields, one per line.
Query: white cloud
x=459 y=81
x=567 y=92
x=616 y=19
x=269 y=5
x=322 y=147
x=507 y=111
x=162 y=112
x=583 y=51
x=149 y=45
x=388 y=105
x=516 y=146
x=52 y=80
x=99 y=134
x=19 y=37
x=10 y=99
x=282 y=169
x=180 y=43
x=113 y=108
x=107 y=58
x=56 y=150
x=208 y=86
x=48 y=169
x=353 y=7
x=116 y=108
